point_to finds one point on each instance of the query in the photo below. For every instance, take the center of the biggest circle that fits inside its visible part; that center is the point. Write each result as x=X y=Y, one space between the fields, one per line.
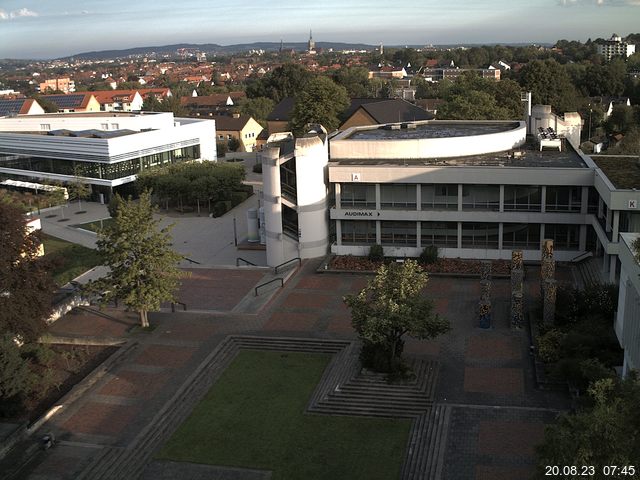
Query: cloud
x=600 y=3
x=22 y=12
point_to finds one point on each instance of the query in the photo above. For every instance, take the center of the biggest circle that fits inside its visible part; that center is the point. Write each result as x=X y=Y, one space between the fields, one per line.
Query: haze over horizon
x=43 y=30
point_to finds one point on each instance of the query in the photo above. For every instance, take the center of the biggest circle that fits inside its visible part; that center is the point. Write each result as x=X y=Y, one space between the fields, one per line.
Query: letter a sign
x=355 y=177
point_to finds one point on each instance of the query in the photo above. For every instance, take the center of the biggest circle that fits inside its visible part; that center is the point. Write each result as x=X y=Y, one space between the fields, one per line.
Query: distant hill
x=214 y=48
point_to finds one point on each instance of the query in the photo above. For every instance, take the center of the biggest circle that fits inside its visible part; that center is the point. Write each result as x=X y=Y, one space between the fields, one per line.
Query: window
x=356 y=232
x=229 y=137
x=479 y=235
x=104 y=126
x=358 y=195
x=521 y=198
x=439 y=197
x=481 y=197
x=565 y=237
x=564 y=199
x=521 y=235
x=115 y=126
x=45 y=127
x=398 y=233
x=220 y=137
x=398 y=196
x=440 y=234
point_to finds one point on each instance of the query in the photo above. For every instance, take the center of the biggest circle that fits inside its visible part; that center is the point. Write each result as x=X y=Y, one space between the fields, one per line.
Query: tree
x=550 y=84
x=16 y=379
x=259 y=108
x=143 y=269
x=355 y=80
x=26 y=286
x=285 y=81
x=605 y=433
x=114 y=204
x=321 y=101
x=391 y=306
x=78 y=189
x=233 y=144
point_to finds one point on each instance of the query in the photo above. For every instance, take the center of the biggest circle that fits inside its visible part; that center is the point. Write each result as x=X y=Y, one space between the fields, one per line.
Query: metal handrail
x=581 y=257
x=245 y=261
x=275 y=270
x=267 y=283
x=192 y=261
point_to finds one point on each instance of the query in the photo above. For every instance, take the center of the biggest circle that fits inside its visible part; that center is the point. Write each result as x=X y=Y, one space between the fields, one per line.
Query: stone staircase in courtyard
x=590 y=272
x=343 y=390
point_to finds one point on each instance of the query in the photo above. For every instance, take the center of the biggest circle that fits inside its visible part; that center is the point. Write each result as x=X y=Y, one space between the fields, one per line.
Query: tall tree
x=26 y=286
x=391 y=306
x=355 y=80
x=321 y=101
x=287 y=80
x=550 y=84
x=143 y=267
x=259 y=108
x=78 y=190
x=603 y=434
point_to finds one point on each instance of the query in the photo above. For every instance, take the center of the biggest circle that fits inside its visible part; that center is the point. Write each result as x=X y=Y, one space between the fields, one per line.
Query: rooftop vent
x=392 y=126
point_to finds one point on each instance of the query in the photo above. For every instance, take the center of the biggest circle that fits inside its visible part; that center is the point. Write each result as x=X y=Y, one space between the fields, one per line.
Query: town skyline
x=71 y=28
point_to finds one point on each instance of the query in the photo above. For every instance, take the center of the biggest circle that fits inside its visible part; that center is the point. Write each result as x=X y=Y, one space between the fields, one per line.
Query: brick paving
x=485 y=375
x=109 y=322
x=101 y=419
x=216 y=289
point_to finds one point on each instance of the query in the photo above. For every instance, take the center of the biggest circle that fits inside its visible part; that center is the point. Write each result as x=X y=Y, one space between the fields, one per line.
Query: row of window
x=445 y=234
x=106 y=171
x=474 y=197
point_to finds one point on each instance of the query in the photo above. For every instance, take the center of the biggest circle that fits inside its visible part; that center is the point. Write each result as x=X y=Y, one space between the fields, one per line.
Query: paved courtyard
x=485 y=377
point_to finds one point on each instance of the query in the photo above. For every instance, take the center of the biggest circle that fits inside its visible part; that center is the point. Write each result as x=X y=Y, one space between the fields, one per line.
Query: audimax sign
x=361 y=213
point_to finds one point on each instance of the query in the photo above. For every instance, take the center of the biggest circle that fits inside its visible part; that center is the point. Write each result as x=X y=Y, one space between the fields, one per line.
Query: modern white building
x=615 y=47
x=627 y=323
x=106 y=150
x=474 y=189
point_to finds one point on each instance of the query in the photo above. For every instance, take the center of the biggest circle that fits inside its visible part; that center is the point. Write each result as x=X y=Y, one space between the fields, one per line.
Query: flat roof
x=431 y=129
x=530 y=157
x=90 y=114
x=622 y=170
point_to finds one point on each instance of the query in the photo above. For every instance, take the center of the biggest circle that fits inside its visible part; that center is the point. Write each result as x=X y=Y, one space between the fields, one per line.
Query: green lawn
x=69 y=260
x=97 y=225
x=253 y=417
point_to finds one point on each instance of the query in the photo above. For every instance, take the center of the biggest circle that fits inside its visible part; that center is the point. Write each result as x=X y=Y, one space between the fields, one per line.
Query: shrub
x=221 y=207
x=257 y=168
x=376 y=253
x=237 y=198
x=41 y=353
x=549 y=345
x=245 y=188
x=429 y=255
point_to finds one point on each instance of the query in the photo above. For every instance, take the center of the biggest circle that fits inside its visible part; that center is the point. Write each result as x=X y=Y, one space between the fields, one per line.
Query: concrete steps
x=590 y=272
x=427 y=443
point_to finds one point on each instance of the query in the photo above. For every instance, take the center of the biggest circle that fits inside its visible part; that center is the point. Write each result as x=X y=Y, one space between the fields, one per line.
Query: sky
x=55 y=28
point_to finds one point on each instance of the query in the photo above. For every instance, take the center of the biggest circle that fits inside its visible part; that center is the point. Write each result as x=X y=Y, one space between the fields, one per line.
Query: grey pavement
x=208 y=241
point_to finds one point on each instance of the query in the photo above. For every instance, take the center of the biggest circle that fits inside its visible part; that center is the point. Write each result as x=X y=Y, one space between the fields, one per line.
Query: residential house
x=241 y=127
x=20 y=106
x=65 y=85
x=374 y=111
x=74 y=102
x=217 y=104
x=119 y=100
x=278 y=119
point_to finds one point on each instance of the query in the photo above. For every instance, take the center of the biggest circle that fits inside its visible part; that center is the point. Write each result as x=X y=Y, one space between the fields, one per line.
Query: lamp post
x=590 y=110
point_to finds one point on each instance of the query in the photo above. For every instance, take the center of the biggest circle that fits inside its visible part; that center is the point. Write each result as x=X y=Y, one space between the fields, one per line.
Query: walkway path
x=487 y=414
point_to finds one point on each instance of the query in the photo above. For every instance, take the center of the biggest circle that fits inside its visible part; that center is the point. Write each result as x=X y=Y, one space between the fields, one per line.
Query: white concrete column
x=459 y=198
x=339 y=232
x=338 y=194
x=543 y=199
x=612 y=268
x=582 y=239
x=541 y=235
x=312 y=157
x=500 y=233
x=616 y=225
x=584 y=206
x=418 y=234
x=378 y=197
x=608 y=220
x=459 y=234
x=272 y=205
x=378 y=233
x=418 y=197
x=501 y=201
